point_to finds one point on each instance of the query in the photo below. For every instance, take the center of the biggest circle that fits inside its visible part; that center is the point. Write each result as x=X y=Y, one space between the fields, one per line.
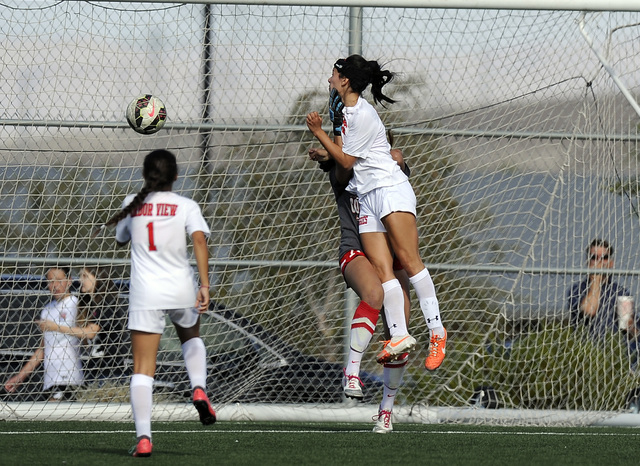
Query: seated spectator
x=592 y=302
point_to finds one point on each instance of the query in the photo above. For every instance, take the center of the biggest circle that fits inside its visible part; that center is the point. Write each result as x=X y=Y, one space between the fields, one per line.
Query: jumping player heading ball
x=387 y=222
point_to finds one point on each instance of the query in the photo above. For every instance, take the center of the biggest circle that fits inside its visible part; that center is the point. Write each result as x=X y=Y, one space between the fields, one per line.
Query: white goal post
x=518 y=123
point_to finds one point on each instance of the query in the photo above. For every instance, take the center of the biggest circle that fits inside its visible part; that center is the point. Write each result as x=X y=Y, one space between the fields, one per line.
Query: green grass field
x=248 y=443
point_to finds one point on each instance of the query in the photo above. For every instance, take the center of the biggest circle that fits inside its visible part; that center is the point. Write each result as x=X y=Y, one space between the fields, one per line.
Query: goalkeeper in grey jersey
x=360 y=276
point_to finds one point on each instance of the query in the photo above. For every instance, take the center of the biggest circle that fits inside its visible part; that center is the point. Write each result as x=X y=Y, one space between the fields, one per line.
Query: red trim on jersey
x=348 y=257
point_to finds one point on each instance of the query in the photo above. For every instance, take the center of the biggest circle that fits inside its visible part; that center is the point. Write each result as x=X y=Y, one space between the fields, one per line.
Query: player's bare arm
x=321 y=155
x=314 y=123
x=201 y=253
x=87 y=332
x=34 y=361
x=396 y=154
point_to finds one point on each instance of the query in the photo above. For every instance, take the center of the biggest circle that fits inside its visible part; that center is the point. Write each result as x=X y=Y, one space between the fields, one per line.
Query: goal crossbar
x=566 y=5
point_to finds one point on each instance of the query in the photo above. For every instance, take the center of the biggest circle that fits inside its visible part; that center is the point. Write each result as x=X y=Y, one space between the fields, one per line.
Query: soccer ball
x=146 y=114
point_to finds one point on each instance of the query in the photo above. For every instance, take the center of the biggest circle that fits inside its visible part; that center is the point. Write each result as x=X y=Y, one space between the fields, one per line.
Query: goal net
x=521 y=134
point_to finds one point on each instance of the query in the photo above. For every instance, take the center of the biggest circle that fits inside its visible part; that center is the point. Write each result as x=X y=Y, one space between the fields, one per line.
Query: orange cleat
x=437 y=352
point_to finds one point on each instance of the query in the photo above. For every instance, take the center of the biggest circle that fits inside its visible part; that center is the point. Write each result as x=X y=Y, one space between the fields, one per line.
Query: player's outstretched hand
x=318 y=155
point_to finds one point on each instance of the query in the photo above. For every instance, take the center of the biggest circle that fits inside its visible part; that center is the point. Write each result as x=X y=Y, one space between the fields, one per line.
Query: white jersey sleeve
x=161 y=275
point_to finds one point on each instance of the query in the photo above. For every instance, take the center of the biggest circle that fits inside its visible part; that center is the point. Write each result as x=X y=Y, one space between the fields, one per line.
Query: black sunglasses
x=604 y=257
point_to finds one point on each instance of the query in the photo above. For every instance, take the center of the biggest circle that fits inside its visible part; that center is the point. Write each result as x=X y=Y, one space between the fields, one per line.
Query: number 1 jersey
x=161 y=275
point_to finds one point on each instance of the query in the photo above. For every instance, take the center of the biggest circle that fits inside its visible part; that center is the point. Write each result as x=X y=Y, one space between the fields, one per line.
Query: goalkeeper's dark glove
x=326 y=165
x=335 y=112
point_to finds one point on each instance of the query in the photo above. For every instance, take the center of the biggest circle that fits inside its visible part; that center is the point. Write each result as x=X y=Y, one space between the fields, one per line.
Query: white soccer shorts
x=153 y=321
x=377 y=204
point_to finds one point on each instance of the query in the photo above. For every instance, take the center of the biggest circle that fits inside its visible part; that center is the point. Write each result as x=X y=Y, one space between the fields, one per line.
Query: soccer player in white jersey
x=59 y=350
x=361 y=277
x=387 y=221
x=156 y=221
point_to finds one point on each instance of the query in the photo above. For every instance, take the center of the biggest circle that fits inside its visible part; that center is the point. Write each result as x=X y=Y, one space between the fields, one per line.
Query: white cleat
x=395 y=347
x=383 y=422
x=352 y=386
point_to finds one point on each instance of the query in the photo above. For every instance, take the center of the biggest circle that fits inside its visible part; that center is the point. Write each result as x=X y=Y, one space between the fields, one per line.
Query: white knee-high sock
x=392 y=375
x=394 y=308
x=363 y=325
x=141 y=395
x=195 y=360
x=426 y=293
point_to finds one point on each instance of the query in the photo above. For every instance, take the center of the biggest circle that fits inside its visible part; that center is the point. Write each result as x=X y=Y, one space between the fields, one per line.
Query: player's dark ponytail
x=159 y=171
x=379 y=78
x=361 y=73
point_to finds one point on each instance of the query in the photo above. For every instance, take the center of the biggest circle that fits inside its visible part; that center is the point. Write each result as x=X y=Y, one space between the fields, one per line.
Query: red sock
x=362 y=327
x=365 y=317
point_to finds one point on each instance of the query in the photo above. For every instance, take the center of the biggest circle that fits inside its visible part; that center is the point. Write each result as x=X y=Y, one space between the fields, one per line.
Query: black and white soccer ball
x=146 y=114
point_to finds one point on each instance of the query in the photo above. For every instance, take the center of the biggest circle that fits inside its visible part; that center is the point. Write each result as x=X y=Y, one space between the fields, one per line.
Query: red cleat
x=143 y=448
x=202 y=404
